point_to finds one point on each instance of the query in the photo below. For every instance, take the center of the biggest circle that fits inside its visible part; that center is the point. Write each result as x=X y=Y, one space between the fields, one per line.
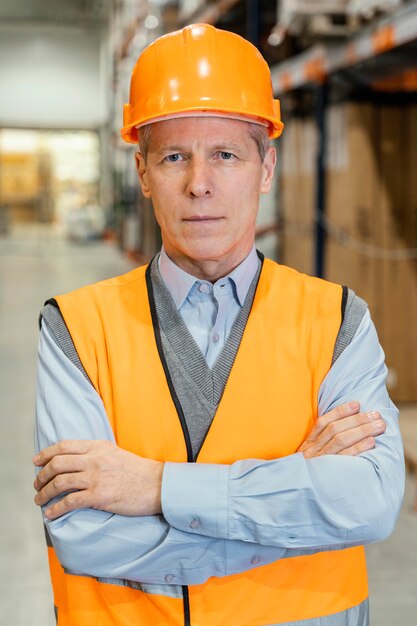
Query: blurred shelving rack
x=379 y=61
x=321 y=61
x=362 y=215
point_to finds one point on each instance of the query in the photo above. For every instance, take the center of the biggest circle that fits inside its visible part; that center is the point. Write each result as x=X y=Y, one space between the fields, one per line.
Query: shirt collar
x=177 y=280
x=180 y=282
x=244 y=274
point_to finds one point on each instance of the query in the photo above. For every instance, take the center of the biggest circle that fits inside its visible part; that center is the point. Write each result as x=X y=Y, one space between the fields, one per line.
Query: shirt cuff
x=194 y=498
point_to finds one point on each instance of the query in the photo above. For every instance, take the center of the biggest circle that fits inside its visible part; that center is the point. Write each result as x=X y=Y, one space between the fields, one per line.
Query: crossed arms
x=342 y=488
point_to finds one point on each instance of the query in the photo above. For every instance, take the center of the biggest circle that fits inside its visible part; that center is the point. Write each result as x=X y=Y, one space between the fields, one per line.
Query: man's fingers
x=372 y=421
x=71 y=502
x=340 y=412
x=361 y=446
x=344 y=433
x=62 y=483
x=348 y=438
x=59 y=465
x=70 y=446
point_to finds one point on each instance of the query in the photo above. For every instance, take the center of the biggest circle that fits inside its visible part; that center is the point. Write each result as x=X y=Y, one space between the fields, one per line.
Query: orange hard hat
x=200 y=70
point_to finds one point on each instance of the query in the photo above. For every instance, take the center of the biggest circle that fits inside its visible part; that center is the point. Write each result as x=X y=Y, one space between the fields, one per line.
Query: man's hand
x=98 y=475
x=343 y=430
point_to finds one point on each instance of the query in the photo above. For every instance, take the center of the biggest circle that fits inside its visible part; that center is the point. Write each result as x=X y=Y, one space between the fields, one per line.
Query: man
x=187 y=477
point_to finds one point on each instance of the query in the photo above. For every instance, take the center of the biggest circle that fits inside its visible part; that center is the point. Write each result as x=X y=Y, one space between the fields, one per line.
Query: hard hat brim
x=275 y=127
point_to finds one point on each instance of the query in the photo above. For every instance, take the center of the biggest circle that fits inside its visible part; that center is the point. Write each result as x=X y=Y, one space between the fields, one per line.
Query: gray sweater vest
x=198 y=388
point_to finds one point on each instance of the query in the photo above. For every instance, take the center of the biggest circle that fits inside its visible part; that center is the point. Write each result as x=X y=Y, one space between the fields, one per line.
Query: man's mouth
x=202 y=218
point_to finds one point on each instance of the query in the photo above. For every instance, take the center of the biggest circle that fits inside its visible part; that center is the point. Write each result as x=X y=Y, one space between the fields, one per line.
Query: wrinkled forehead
x=204 y=132
x=196 y=127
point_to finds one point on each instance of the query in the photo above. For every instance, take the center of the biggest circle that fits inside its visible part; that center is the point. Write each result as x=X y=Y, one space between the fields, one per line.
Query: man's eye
x=173 y=158
x=226 y=156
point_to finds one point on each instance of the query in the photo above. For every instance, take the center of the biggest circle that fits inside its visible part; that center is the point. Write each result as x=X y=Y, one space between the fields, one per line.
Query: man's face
x=205 y=176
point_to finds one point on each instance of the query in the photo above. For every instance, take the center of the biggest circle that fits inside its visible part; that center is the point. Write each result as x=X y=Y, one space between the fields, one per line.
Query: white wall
x=53 y=77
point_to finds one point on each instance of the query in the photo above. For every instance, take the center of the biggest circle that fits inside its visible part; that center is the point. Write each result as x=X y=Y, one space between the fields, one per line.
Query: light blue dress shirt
x=223 y=519
x=207 y=309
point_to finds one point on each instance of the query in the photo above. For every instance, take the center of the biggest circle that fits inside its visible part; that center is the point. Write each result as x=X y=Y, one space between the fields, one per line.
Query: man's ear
x=268 y=168
x=142 y=174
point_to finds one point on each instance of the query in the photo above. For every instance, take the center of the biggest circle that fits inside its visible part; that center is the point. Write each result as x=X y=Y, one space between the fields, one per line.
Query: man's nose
x=199 y=183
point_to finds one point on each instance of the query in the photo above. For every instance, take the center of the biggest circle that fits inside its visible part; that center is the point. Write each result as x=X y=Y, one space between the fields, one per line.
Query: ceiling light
x=151 y=22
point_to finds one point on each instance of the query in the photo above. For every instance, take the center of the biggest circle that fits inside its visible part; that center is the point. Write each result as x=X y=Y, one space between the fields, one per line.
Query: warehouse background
x=343 y=205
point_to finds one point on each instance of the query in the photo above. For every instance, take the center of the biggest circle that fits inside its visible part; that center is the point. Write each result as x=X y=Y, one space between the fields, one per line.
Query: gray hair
x=258 y=133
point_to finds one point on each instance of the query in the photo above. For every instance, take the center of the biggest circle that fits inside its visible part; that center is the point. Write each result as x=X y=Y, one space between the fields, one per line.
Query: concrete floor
x=35 y=264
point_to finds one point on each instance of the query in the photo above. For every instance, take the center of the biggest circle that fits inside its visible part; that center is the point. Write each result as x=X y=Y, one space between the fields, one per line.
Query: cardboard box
x=19 y=177
x=371 y=219
x=372 y=206
x=352 y=178
x=412 y=237
x=396 y=229
x=298 y=189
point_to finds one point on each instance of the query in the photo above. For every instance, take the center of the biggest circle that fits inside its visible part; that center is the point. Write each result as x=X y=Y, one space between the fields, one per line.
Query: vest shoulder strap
x=52 y=317
x=353 y=310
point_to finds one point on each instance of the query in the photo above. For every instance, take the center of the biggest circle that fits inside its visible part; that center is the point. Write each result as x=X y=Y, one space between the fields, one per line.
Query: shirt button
x=216 y=337
x=255 y=560
x=195 y=523
x=203 y=288
x=169 y=578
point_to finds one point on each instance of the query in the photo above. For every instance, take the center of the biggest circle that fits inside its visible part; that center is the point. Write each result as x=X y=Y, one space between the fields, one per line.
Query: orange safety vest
x=268 y=407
